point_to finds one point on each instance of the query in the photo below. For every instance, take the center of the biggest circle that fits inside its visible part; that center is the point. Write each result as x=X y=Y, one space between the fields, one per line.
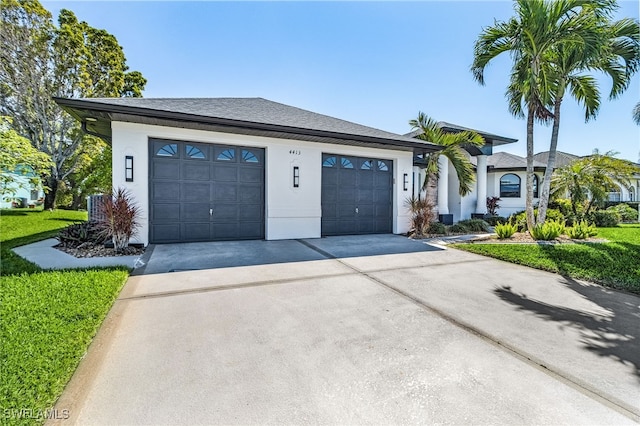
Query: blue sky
x=374 y=63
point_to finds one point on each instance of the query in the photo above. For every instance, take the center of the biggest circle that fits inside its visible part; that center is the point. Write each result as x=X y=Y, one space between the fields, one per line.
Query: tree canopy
x=39 y=60
x=18 y=157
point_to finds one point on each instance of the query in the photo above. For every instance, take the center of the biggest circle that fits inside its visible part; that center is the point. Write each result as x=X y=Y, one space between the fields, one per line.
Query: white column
x=481 y=181
x=443 y=185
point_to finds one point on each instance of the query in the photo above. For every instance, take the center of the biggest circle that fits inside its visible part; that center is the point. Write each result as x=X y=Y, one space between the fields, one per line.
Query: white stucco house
x=22 y=190
x=249 y=168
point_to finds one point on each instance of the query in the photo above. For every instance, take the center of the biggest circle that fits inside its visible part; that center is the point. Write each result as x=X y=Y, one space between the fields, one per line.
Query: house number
x=295 y=152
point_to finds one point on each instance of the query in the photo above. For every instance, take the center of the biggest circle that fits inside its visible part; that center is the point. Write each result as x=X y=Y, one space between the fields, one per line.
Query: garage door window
x=228 y=154
x=168 y=150
x=382 y=166
x=329 y=162
x=249 y=157
x=195 y=153
x=367 y=165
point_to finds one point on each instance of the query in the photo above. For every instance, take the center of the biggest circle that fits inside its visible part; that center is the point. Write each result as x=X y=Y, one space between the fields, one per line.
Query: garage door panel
x=196 y=231
x=225 y=212
x=166 y=169
x=190 y=179
x=166 y=212
x=166 y=191
x=195 y=191
x=250 y=194
x=196 y=171
x=195 y=212
x=356 y=195
x=225 y=173
x=225 y=231
x=250 y=230
x=251 y=213
x=168 y=233
x=251 y=175
x=224 y=192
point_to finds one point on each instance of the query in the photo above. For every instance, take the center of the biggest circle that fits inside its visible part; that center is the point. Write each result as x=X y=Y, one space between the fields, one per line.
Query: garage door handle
x=210 y=212
x=356 y=210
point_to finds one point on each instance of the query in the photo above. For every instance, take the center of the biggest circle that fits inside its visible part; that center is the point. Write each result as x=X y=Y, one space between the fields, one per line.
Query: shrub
x=458 y=229
x=547 y=231
x=422 y=214
x=436 y=228
x=604 y=218
x=563 y=205
x=492 y=205
x=581 y=230
x=80 y=233
x=505 y=230
x=520 y=218
x=474 y=225
x=494 y=220
x=627 y=213
x=121 y=218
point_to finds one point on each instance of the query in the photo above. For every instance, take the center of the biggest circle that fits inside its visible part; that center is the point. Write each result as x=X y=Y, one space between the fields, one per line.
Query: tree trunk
x=545 y=190
x=529 y=187
x=50 y=195
x=431 y=193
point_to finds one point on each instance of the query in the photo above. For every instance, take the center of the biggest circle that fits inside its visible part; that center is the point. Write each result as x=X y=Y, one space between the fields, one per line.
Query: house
x=249 y=168
x=495 y=174
x=22 y=191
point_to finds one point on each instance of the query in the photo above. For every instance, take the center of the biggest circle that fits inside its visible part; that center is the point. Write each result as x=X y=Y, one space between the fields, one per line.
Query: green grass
x=615 y=264
x=47 y=318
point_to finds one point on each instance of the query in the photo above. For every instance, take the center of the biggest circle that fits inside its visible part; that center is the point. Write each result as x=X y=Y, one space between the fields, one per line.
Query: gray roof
x=239 y=113
x=495 y=140
x=562 y=158
x=506 y=161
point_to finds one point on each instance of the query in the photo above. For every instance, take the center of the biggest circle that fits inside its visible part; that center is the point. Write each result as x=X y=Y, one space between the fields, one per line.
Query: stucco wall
x=509 y=206
x=290 y=212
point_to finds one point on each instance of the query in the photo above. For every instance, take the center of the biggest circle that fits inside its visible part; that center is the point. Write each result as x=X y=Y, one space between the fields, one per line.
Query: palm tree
x=617 y=56
x=531 y=37
x=587 y=180
x=452 y=148
x=636 y=114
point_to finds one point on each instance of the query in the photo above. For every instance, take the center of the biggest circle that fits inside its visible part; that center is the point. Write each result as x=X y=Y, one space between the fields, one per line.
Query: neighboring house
x=249 y=168
x=22 y=191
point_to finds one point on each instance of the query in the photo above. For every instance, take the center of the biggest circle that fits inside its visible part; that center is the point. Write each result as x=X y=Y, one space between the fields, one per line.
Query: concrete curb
x=46 y=256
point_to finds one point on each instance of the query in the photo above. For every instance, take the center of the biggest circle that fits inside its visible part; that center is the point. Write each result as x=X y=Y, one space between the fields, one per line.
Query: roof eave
x=76 y=106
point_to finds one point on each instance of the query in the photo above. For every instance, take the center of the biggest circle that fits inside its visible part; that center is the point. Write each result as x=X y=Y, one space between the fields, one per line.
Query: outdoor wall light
x=406 y=181
x=128 y=168
x=296 y=176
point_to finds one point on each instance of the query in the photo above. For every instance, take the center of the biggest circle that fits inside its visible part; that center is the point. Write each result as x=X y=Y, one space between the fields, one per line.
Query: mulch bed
x=98 y=250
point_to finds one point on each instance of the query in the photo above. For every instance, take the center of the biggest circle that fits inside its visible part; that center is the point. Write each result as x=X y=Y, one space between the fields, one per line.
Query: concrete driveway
x=346 y=334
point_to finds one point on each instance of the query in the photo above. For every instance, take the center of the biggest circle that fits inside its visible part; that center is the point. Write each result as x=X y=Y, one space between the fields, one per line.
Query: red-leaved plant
x=422 y=214
x=492 y=205
x=120 y=218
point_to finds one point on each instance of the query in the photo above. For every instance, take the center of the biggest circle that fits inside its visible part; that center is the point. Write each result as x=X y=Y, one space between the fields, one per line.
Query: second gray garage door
x=357 y=195
x=204 y=192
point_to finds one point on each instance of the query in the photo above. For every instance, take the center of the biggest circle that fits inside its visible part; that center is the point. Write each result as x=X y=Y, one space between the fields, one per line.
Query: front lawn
x=615 y=264
x=47 y=319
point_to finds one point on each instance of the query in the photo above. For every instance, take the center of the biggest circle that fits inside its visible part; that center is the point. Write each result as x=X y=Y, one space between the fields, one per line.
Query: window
x=346 y=163
x=194 y=152
x=367 y=165
x=227 y=155
x=168 y=150
x=510 y=186
x=249 y=157
x=35 y=193
x=632 y=193
x=535 y=186
x=382 y=166
x=329 y=162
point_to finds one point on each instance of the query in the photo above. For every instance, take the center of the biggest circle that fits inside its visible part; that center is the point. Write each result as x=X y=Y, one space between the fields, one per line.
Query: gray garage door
x=203 y=192
x=357 y=195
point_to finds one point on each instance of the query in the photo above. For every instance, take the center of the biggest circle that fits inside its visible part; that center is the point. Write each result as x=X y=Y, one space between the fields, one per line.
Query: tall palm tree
x=617 y=56
x=538 y=28
x=636 y=114
x=452 y=148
